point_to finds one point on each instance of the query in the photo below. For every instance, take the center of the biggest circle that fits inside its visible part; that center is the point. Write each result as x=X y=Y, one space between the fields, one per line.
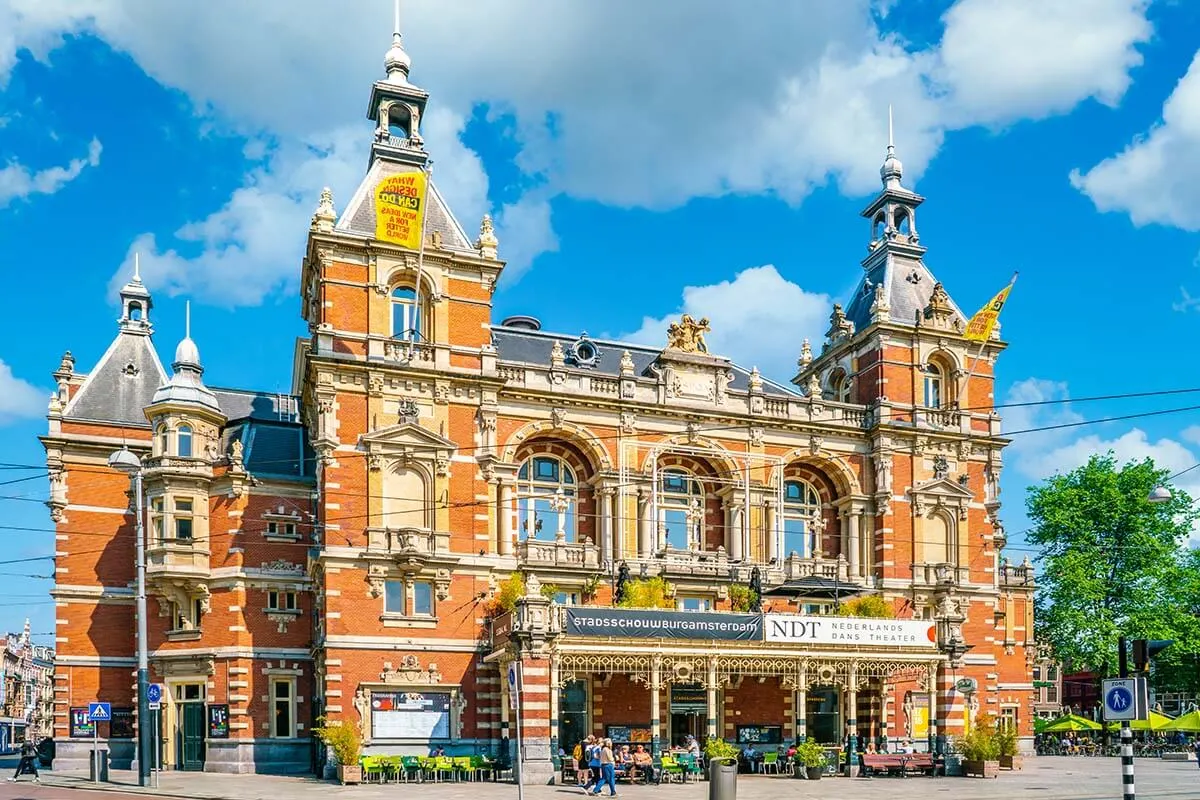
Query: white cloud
x=626 y=103
x=1156 y=179
x=757 y=300
x=1003 y=60
x=19 y=399
x=18 y=182
x=1037 y=456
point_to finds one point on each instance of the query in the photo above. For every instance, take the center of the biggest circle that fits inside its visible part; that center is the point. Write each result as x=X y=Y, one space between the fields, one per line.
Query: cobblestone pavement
x=1046 y=778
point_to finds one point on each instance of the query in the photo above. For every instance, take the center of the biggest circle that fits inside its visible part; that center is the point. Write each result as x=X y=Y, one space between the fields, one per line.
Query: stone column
x=736 y=535
x=710 y=697
x=802 y=707
x=854 y=518
x=504 y=512
x=646 y=525
x=554 y=698
x=852 y=723
x=772 y=537
x=655 y=713
x=537 y=768
x=604 y=504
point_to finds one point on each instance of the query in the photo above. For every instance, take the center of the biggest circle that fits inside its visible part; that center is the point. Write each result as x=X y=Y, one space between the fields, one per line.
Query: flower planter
x=1011 y=762
x=981 y=769
x=349 y=773
x=814 y=773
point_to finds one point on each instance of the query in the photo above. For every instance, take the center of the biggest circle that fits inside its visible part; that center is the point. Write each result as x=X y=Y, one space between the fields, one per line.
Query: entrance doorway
x=572 y=714
x=687 y=722
x=823 y=716
x=189 y=726
x=689 y=711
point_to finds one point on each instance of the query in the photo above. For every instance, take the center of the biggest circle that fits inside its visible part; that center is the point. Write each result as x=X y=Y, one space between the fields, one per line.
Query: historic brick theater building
x=346 y=551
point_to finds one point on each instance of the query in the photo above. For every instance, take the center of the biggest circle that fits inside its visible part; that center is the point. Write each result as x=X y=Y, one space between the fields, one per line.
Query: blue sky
x=641 y=160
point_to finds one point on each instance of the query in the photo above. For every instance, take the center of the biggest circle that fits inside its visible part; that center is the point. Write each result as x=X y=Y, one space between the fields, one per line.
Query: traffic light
x=1146 y=649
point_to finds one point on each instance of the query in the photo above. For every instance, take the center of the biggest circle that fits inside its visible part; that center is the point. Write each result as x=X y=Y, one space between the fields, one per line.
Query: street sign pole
x=1128 y=790
x=514 y=694
x=95 y=750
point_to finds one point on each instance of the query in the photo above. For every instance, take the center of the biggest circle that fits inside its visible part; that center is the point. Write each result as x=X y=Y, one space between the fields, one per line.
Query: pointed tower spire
x=186 y=384
x=135 y=303
x=892 y=170
x=397 y=62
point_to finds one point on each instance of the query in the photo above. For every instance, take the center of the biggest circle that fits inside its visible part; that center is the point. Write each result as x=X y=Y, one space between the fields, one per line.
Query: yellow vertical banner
x=399 y=209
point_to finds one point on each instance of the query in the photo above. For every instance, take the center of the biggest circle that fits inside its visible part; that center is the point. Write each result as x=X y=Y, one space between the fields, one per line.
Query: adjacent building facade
x=26 y=690
x=348 y=552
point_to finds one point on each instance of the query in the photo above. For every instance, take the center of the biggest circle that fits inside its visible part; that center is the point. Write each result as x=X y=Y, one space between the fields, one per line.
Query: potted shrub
x=343 y=739
x=1006 y=744
x=980 y=750
x=809 y=760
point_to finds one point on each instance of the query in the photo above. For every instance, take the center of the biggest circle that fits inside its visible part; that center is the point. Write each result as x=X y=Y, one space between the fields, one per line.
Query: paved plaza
x=1046 y=778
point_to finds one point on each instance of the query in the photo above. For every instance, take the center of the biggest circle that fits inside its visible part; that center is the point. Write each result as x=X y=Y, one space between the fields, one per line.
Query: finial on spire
x=137 y=268
x=397 y=62
x=326 y=215
x=187 y=319
x=487 y=243
x=892 y=170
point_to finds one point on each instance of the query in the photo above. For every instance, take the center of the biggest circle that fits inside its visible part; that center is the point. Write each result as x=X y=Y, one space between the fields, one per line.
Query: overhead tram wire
x=744 y=425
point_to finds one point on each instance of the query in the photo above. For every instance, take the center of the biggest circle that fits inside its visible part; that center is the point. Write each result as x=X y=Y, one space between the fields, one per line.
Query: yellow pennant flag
x=979 y=329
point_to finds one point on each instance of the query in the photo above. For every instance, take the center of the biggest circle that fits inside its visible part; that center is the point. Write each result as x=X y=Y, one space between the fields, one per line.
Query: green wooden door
x=191 y=735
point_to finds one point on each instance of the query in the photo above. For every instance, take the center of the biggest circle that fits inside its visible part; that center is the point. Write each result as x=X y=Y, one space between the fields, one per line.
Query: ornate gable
x=941 y=492
x=407 y=442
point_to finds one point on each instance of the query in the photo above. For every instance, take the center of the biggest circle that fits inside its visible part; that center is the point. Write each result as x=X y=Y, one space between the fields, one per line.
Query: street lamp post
x=125 y=460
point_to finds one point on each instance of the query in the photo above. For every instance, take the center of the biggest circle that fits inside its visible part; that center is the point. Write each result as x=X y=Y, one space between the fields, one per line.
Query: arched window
x=135 y=311
x=900 y=221
x=801 y=508
x=935 y=386
x=160 y=433
x=680 y=510
x=406 y=314
x=547 y=493
x=878 y=226
x=399 y=121
x=183 y=441
x=840 y=386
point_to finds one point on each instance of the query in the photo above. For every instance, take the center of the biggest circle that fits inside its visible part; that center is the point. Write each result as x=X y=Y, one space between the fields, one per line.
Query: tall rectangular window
x=393 y=597
x=157 y=520
x=183 y=519
x=283 y=708
x=423 y=598
x=281 y=601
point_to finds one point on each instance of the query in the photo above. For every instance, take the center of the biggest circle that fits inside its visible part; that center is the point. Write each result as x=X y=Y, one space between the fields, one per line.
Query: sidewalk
x=1046 y=778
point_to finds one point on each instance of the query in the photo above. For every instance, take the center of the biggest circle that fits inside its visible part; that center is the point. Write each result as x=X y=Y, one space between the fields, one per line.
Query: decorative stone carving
x=558 y=356
x=628 y=422
x=806 y=355
x=441 y=584
x=325 y=215
x=756 y=436
x=839 y=326
x=939 y=309
x=376 y=574
x=687 y=335
x=236 y=452
x=815 y=443
x=693 y=430
x=487 y=244
x=410 y=671
x=409 y=412
x=374 y=462
x=941 y=467
x=362 y=704
x=880 y=307
x=558 y=416
x=626 y=364
x=281 y=565
x=281 y=620
x=813 y=387
x=755 y=380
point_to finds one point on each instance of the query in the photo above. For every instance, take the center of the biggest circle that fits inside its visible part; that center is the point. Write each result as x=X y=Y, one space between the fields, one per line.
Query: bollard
x=722 y=779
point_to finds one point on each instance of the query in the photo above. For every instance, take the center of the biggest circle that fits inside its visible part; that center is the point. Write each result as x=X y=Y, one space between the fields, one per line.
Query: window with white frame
x=547 y=491
x=283 y=708
x=934 y=386
x=281 y=601
x=841 y=385
x=393 y=597
x=163 y=438
x=801 y=508
x=680 y=510
x=1008 y=718
x=693 y=604
x=183 y=441
x=182 y=510
x=281 y=529
x=157 y=520
x=422 y=599
x=406 y=314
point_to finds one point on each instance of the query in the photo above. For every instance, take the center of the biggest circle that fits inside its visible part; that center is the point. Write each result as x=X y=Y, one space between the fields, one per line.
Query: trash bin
x=722 y=779
x=98 y=766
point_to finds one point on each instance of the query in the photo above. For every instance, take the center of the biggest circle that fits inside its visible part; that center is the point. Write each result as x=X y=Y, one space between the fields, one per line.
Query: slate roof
x=359 y=214
x=908 y=285
x=121 y=385
x=273 y=449
x=239 y=404
x=533 y=347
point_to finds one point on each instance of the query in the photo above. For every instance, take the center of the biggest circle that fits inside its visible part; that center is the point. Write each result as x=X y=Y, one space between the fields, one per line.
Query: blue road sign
x=154 y=693
x=1119 y=700
x=100 y=712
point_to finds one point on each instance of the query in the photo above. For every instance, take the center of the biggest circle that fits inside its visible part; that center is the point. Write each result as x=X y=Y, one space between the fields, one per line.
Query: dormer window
x=183 y=441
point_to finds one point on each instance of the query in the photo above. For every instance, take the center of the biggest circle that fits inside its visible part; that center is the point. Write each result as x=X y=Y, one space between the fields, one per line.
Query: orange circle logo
x=932 y=633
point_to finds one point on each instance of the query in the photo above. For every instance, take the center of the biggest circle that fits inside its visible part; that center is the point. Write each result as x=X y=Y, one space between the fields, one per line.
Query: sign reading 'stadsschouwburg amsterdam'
x=625 y=624
x=850 y=631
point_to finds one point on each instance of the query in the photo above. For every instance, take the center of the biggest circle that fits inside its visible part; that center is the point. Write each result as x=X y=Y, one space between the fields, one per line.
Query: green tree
x=1112 y=563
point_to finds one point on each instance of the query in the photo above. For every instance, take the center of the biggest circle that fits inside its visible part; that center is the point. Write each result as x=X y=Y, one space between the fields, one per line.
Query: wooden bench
x=903 y=764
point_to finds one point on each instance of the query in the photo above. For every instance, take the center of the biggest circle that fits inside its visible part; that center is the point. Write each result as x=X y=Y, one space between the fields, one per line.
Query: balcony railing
x=1013 y=575
x=934 y=574
x=408 y=352
x=558 y=554
x=832 y=569
x=408 y=541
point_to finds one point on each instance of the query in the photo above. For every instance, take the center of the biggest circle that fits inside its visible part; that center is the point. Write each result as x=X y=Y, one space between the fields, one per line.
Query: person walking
x=592 y=754
x=608 y=769
x=29 y=758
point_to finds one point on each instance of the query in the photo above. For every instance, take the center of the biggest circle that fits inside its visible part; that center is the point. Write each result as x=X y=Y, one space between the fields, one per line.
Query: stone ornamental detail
x=487 y=243
x=410 y=671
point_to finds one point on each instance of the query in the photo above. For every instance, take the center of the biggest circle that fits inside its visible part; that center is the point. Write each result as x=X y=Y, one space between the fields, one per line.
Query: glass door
x=823 y=715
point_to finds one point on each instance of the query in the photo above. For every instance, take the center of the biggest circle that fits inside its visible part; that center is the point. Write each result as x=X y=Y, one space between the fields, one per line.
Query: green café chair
x=462 y=767
x=410 y=768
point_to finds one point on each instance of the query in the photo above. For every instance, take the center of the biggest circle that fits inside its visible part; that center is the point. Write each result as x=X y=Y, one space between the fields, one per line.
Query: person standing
x=608 y=769
x=595 y=774
x=28 y=759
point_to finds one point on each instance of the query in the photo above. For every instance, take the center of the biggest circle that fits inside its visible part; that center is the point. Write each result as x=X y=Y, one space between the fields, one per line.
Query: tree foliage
x=871 y=605
x=648 y=593
x=1113 y=563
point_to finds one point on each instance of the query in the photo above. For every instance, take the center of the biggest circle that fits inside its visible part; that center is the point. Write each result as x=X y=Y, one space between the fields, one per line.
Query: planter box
x=981 y=769
x=814 y=773
x=1011 y=762
x=349 y=774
